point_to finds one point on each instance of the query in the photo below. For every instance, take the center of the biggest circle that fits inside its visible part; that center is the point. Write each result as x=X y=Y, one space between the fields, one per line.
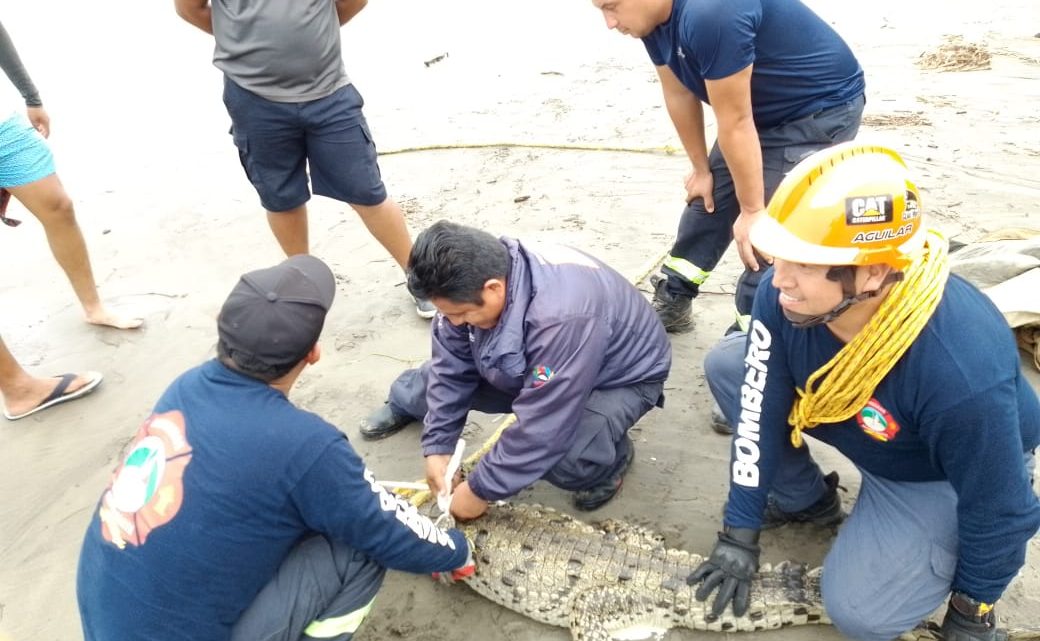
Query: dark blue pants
x=703 y=238
x=323 y=590
x=601 y=446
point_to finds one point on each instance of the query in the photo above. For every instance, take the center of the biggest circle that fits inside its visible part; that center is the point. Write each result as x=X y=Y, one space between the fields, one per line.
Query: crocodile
x=617 y=580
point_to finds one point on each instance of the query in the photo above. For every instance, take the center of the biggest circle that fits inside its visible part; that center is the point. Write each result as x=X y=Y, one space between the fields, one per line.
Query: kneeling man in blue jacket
x=546 y=332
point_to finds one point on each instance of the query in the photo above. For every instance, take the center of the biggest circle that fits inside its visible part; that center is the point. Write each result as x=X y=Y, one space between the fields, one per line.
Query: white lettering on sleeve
x=406 y=513
x=745 y=446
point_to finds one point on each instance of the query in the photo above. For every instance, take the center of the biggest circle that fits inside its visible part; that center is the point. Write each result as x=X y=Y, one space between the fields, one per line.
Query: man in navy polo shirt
x=781 y=83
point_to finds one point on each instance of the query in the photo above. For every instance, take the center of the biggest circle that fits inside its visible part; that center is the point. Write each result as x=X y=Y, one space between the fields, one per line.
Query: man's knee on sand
x=851 y=613
x=851 y=620
x=876 y=595
x=724 y=371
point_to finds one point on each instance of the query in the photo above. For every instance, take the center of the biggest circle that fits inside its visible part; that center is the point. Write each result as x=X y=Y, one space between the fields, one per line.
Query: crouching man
x=546 y=332
x=860 y=338
x=237 y=516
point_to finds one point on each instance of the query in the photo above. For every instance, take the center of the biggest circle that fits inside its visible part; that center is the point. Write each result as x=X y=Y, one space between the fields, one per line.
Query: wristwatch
x=977 y=611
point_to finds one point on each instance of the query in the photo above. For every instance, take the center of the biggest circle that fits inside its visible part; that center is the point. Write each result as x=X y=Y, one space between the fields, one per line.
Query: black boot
x=383 y=422
x=674 y=310
x=825 y=512
x=595 y=497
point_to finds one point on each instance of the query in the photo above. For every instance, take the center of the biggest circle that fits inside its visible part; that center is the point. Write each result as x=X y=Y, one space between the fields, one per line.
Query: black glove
x=730 y=567
x=968 y=620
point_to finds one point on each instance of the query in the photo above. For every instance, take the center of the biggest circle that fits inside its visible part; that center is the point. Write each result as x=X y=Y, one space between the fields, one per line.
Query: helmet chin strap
x=846 y=275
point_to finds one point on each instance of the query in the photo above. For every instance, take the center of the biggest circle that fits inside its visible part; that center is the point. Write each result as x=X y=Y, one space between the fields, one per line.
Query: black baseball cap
x=274 y=316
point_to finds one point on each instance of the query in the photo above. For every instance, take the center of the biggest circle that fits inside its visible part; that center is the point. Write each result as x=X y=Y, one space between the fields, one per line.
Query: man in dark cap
x=236 y=515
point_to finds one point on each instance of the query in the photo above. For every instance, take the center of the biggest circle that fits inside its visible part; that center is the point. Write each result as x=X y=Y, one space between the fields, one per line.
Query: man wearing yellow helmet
x=861 y=335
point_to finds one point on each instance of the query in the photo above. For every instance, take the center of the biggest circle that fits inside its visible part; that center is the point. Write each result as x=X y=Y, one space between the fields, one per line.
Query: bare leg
x=385 y=222
x=47 y=200
x=290 y=230
x=21 y=391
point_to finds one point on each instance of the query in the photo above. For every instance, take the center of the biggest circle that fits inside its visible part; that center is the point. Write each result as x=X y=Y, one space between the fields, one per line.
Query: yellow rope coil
x=850 y=378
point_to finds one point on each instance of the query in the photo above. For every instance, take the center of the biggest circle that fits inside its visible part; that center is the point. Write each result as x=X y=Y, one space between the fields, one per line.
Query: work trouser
x=893 y=561
x=600 y=446
x=323 y=590
x=703 y=237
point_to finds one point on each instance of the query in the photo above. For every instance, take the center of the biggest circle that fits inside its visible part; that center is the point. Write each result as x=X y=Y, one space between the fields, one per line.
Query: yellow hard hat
x=851 y=204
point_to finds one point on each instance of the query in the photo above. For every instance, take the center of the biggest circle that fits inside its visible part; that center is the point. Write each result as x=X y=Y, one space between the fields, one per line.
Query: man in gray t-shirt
x=294 y=109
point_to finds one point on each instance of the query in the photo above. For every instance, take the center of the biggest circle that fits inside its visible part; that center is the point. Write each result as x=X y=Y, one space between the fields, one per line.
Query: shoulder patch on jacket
x=540 y=375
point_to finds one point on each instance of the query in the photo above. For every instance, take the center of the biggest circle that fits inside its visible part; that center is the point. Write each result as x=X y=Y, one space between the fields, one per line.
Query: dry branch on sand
x=956 y=55
x=901 y=119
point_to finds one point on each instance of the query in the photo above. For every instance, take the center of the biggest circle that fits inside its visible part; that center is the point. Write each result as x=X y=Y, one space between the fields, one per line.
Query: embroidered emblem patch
x=540 y=375
x=147 y=490
x=877 y=422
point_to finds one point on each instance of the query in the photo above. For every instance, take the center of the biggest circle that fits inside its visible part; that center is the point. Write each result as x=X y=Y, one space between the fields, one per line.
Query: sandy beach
x=141 y=140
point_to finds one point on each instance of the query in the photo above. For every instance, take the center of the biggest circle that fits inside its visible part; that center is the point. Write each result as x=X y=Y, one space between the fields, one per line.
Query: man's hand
x=730 y=567
x=436 y=468
x=40 y=120
x=741 y=234
x=700 y=184
x=464 y=571
x=969 y=620
x=465 y=505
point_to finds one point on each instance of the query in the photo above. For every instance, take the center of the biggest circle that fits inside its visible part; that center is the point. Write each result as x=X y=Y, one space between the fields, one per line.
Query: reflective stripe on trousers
x=336 y=626
x=687 y=270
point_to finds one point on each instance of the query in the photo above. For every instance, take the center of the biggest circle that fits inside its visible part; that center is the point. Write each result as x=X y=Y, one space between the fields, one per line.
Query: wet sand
x=141 y=141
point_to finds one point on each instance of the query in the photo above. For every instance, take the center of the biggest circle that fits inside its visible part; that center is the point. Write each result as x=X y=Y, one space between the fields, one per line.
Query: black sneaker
x=826 y=512
x=383 y=422
x=718 y=421
x=424 y=308
x=674 y=310
x=595 y=497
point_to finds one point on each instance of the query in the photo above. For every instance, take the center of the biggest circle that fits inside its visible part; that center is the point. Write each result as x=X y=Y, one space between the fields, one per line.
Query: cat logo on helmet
x=912 y=209
x=868 y=210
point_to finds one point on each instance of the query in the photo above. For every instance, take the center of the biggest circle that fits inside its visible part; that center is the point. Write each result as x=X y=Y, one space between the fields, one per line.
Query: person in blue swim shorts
x=28 y=174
